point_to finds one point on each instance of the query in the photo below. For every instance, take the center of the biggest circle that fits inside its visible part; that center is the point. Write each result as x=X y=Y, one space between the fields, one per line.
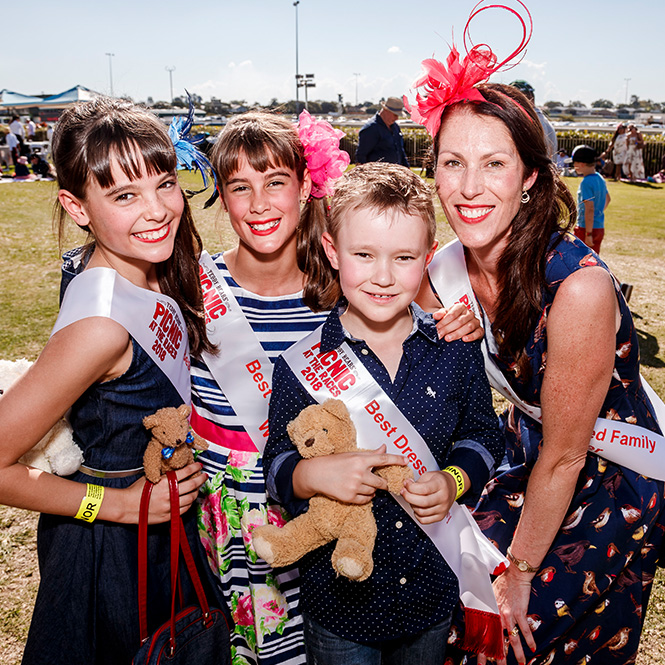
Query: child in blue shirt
x=379 y=241
x=592 y=198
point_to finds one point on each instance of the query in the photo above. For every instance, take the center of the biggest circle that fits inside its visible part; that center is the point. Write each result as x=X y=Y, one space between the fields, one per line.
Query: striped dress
x=233 y=500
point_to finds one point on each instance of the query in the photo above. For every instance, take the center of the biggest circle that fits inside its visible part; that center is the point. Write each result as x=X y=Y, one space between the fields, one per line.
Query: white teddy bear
x=57 y=452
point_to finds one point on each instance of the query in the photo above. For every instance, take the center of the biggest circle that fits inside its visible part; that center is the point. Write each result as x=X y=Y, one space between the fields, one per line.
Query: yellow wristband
x=91 y=503
x=459 y=479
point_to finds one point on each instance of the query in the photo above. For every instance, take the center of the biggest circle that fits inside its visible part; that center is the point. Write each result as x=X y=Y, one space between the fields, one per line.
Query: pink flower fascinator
x=325 y=160
x=456 y=81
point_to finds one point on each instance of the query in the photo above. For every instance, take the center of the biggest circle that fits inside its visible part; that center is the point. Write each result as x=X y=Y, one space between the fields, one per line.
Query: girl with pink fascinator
x=579 y=516
x=273 y=178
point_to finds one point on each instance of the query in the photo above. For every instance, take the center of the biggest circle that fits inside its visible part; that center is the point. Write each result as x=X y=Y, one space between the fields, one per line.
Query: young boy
x=592 y=198
x=379 y=242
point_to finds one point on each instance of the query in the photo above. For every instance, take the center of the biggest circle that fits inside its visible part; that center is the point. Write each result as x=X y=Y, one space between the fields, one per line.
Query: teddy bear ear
x=150 y=421
x=184 y=410
x=337 y=408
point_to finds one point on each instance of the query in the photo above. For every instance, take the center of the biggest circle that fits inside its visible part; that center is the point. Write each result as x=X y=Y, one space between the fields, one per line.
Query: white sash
x=153 y=319
x=340 y=374
x=632 y=446
x=241 y=368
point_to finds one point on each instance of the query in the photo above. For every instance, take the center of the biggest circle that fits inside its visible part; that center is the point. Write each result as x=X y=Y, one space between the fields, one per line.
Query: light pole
x=170 y=70
x=356 y=74
x=626 y=80
x=110 y=55
x=295 y=4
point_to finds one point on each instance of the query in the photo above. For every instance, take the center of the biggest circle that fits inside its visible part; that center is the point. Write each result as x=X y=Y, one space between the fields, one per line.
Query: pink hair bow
x=325 y=160
x=456 y=81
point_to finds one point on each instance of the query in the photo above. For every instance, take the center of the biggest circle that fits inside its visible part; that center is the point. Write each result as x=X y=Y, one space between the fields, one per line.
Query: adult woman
x=634 y=161
x=582 y=533
x=618 y=147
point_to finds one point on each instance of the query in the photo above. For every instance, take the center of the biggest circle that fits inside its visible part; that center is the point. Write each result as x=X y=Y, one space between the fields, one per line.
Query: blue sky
x=580 y=49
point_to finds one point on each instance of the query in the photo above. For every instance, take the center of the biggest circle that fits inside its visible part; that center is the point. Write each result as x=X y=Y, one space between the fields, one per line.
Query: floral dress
x=634 y=161
x=264 y=602
x=590 y=595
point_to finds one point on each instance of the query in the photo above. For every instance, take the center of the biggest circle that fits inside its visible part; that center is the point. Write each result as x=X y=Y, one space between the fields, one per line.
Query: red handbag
x=194 y=634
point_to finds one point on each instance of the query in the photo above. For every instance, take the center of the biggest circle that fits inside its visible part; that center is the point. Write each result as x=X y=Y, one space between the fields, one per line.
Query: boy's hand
x=457 y=322
x=430 y=496
x=345 y=477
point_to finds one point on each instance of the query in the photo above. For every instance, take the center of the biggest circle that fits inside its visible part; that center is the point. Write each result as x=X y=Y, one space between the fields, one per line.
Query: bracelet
x=91 y=503
x=459 y=479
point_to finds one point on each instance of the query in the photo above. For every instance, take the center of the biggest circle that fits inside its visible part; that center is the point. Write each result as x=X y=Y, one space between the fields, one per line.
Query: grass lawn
x=634 y=247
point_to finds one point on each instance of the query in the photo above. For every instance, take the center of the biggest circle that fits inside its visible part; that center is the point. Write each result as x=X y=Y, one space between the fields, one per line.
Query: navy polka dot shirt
x=443 y=391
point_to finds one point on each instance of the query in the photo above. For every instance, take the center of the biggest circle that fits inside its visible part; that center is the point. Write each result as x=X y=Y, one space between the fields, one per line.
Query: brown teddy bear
x=325 y=429
x=172 y=441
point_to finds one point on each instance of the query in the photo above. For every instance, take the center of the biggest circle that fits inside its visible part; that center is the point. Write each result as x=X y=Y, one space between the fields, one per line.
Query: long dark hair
x=551 y=210
x=268 y=140
x=87 y=137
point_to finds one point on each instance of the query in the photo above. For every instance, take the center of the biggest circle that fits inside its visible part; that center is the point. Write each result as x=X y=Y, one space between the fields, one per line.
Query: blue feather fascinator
x=189 y=155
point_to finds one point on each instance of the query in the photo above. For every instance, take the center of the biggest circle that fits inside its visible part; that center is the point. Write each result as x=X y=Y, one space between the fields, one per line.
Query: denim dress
x=86 y=610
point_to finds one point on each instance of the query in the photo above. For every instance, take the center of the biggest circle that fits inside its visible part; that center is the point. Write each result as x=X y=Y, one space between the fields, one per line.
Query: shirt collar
x=333 y=333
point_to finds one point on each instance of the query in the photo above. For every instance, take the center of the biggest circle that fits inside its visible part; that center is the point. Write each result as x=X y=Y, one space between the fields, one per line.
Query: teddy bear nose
x=310 y=442
x=178 y=442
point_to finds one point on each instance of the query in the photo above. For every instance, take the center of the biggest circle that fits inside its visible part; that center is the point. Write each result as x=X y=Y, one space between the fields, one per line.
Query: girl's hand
x=512 y=590
x=189 y=479
x=458 y=322
x=346 y=477
x=430 y=496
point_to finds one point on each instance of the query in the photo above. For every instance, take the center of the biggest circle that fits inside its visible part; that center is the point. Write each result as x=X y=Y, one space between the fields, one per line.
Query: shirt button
x=402 y=580
x=364 y=351
x=399 y=525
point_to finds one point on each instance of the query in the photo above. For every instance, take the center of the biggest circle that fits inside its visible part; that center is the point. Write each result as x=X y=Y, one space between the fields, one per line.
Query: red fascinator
x=456 y=81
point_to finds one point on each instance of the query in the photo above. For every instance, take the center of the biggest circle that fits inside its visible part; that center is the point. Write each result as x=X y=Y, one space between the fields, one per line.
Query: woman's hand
x=457 y=322
x=431 y=496
x=189 y=479
x=512 y=590
x=345 y=477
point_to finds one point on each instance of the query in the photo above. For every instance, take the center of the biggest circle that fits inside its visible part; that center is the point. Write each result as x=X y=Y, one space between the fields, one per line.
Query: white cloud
x=394 y=49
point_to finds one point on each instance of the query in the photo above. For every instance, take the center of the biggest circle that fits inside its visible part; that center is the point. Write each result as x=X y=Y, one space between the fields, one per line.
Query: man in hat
x=548 y=130
x=380 y=139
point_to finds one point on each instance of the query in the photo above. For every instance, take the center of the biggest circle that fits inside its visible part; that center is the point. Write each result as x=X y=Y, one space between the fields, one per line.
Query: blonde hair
x=381 y=187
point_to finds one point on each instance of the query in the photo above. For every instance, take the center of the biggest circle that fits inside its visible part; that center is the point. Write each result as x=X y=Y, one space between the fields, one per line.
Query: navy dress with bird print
x=590 y=595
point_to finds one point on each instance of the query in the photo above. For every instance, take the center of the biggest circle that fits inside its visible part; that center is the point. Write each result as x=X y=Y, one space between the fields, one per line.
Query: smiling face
x=381 y=259
x=264 y=207
x=479 y=179
x=134 y=222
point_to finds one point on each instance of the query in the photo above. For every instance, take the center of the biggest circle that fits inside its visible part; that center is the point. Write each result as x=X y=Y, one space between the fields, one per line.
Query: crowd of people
x=334 y=288
x=29 y=163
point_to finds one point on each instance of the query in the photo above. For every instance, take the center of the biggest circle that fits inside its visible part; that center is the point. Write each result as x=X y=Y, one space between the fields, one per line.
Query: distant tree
x=161 y=105
x=180 y=102
x=634 y=102
x=552 y=105
x=602 y=104
x=273 y=103
x=577 y=104
x=328 y=107
x=150 y=101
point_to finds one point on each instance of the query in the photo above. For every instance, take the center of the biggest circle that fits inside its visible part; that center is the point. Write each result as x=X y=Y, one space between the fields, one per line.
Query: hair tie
x=187 y=153
x=325 y=160
x=456 y=81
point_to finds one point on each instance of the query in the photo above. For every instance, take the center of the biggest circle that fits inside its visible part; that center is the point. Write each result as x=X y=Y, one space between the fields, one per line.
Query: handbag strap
x=143 y=560
x=178 y=542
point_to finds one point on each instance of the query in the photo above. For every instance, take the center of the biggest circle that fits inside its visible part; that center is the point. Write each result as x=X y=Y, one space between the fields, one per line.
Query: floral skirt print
x=232 y=502
x=589 y=598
